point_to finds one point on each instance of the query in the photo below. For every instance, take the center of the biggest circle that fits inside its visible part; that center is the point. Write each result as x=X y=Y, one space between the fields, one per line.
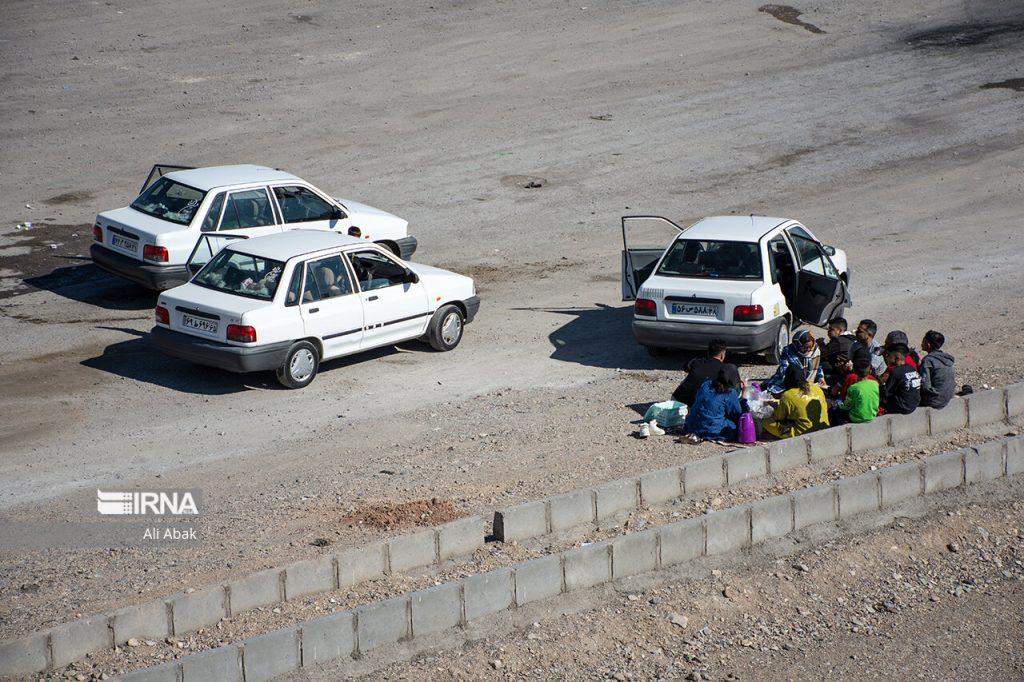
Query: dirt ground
x=892 y=130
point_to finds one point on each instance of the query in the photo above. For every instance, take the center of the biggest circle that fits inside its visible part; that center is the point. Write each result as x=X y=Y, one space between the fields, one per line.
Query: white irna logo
x=135 y=503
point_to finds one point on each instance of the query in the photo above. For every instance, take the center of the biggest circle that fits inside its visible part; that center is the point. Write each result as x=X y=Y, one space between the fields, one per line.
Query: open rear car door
x=820 y=293
x=158 y=171
x=644 y=239
x=208 y=246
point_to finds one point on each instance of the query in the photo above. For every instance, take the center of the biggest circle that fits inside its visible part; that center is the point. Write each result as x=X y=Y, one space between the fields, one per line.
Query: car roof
x=285 y=245
x=221 y=176
x=746 y=228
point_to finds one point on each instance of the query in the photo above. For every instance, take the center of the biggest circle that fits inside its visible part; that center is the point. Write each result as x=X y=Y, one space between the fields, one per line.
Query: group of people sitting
x=843 y=378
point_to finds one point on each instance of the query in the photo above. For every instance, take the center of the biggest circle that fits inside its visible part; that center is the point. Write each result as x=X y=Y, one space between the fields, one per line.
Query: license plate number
x=199 y=324
x=698 y=309
x=123 y=243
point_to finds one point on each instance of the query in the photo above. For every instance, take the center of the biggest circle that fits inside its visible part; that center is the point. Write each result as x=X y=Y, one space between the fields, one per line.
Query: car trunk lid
x=128 y=231
x=706 y=300
x=206 y=313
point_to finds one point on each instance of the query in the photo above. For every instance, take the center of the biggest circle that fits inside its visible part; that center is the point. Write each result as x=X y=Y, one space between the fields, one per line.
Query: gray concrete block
x=487 y=593
x=728 y=530
x=1015 y=456
x=223 y=664
x=833 y=443
x=521 y=521
x=814 y=505
x=1015 y=400
x=986 y=407
x=634 y=553
x=681 y=541
x=587 y=566
x=383 y=622
x=72 y=641
x=142 y=621
x=460 y=538
x=950 y=418
x=23 y=656
x=436 y=609
x=870 y=435
x=788 y=453
x=538 y=579
x=166 y=672
x=661 y=486
x=328 y=638
x=745 y=464
x=271 y=655
x=198 y=609
x=571 y=509
x=900 y=482
x=909 y=426
x=943 y=471
x=616 y=497
x=703 y=474
x=984 y=462
x=771 y=518
x=361 y=564
x=858 y=494
x=412 y=550
x=254 y=591
x=308 y=577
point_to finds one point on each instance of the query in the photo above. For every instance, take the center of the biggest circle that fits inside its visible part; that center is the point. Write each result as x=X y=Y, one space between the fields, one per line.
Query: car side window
x=327 y=278
x=374 y=270
x=810 y=255
x=248 y=208
x=301 y=204
x=798 y=231
x=780 y=259
x=295 y=287
x=213 y=215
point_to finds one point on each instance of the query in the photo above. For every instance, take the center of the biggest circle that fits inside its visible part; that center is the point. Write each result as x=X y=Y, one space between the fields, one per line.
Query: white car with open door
x=149 y=241
x=748 y=280
x=290 y=300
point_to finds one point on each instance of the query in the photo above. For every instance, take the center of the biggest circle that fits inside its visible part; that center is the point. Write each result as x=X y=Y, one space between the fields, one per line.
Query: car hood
x=138 y=222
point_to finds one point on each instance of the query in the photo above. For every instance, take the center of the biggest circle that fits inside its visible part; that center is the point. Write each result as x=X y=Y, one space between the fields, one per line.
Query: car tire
x=774 y=354
x=300 y=365
x=446 y=328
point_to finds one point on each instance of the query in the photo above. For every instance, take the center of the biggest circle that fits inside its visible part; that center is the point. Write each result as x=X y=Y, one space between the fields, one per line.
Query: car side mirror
x=830 y=250
x=411 y=277
x=337 y=214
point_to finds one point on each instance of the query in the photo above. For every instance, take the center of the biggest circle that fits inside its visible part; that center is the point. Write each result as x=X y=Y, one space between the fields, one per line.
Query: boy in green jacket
x=862 y=398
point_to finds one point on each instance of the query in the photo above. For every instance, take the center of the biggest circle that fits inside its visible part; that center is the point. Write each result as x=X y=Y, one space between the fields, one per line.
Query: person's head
x=722 y=383
x=897 y=337
x=866 y=331
x=836 y=327
x=842 y=363
x=803 y=341
x=862 y=367
x=932 y=340
x=716 y=349
x=896 y=354
x=795 y=378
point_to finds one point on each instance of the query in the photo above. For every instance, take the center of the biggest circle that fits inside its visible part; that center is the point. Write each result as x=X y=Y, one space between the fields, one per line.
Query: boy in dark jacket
x=938 y=377
x=837 y=345
x=701 y=369
x=901 y=393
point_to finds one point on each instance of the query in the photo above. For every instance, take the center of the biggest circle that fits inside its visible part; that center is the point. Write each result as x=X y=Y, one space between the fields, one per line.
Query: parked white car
x=290 y=300
x=748 y=280
x=149 y=241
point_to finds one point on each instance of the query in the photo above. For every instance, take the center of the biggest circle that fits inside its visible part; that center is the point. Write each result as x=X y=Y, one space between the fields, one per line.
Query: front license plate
x=123 y=243
x=698 y=309
x=199 y=324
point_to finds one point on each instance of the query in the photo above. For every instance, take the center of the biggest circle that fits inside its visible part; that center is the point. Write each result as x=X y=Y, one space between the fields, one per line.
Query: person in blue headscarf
x=805 y=354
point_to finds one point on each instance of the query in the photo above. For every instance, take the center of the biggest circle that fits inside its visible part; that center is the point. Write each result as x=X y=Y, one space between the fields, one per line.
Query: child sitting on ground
x=802 y=407
x=716 y=410
x=901 y=393
x=938 y=377
x=860 y=403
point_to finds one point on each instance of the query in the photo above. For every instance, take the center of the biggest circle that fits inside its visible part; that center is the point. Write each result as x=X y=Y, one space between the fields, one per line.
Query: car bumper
x=472 y=307
x=406 y=247
x=157 y=277
x=696 y=336
x=221 y=355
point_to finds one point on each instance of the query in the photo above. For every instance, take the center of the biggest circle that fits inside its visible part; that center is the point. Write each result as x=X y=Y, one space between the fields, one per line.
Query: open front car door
x=158 y=171
x=820 y=293
x=208 y=246
x=644 y=239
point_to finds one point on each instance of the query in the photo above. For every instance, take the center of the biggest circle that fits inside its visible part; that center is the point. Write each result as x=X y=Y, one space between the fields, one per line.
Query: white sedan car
x=149 y=241
x=288 y=301
x=748 y=280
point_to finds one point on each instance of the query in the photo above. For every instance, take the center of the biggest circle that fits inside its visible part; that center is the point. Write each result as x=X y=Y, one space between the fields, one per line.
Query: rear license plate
x=698 y=309
x=123 y=243
x=199 y=324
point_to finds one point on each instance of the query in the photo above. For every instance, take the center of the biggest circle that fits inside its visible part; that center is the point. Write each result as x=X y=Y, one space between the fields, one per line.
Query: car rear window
x=712 y=259
x=169 y=200
x=241 y=274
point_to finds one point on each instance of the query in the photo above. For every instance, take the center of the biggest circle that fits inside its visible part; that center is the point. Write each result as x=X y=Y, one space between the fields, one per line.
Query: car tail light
x=97 y=233
x=645 y=306
x=242 y=334
x=162 y=315
x=156 y=253
x=747 y=313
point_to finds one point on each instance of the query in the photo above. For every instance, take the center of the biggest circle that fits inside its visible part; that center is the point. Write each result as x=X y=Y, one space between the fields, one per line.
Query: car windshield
x=169 y=200
x=711 y=259
x=241 y=274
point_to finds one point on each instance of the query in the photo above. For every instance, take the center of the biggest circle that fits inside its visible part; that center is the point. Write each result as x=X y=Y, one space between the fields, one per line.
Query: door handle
x=314 y=310
x=372 y=298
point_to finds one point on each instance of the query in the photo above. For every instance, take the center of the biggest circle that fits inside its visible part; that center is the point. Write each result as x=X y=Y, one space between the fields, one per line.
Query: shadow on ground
x=86 y=283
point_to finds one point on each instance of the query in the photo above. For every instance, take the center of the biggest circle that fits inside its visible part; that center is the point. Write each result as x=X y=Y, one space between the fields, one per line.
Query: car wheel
x=300 y=365
x=774 y=354
x=446 y=327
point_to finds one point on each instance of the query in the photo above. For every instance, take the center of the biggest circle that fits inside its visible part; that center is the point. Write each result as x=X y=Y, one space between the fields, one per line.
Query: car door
x=247 y=209
x=820 y=292
x=394 y=300
x=208 y=246
x=301 y=207
x=331 y=308
x=644 y=240
x=158 y=171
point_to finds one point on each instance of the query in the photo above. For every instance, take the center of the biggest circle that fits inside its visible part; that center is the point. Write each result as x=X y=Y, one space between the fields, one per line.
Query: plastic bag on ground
x=668 y=414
